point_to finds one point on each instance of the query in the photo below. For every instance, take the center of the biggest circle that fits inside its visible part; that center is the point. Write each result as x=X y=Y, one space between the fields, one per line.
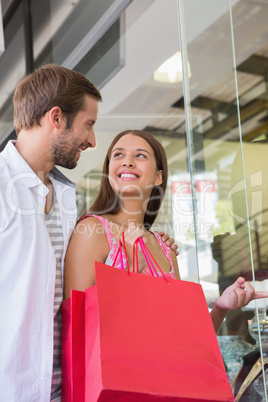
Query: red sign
x=202 y=186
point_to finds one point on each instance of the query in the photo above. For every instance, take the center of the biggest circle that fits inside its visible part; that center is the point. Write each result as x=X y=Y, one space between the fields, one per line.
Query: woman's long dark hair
x=107 y=202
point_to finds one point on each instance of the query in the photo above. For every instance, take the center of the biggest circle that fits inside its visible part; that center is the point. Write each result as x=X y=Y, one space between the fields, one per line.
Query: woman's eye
x=141 y=156
x=117 y=154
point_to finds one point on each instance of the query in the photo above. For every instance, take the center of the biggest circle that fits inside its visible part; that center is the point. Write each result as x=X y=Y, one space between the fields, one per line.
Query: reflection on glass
x=259 y=324
x=237 y=239
x=260 y=385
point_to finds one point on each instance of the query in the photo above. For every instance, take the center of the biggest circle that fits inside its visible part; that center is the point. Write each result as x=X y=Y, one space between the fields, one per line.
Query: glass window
x=226 y=114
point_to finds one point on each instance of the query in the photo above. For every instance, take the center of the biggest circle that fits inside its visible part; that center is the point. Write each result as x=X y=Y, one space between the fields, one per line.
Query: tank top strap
x=164 y=248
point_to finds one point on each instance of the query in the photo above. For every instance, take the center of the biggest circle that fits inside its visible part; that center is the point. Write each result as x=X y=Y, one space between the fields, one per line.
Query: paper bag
x=73 y=348
x=146 y=339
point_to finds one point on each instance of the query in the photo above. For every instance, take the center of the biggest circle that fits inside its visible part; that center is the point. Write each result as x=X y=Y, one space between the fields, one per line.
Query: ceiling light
x=171 y=70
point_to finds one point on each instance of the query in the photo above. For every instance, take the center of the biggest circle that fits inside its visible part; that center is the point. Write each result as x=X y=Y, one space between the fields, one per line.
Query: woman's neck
x=125 y=218
x=132 y=211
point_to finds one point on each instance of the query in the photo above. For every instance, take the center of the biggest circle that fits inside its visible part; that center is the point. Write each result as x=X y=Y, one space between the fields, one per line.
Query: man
x=55 y=110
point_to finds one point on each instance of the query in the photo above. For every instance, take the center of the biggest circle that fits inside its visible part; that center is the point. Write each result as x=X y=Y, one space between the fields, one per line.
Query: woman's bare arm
x=88 y=244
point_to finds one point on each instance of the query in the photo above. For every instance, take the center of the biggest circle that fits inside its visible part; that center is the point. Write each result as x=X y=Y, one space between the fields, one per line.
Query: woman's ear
x=158 y=179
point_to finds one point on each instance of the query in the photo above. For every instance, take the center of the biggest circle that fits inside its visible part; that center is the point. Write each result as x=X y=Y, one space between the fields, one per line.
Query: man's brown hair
x=48 y=86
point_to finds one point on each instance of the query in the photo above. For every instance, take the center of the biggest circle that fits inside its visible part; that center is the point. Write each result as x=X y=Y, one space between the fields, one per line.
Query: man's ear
x=158 y=179
x=55 y=117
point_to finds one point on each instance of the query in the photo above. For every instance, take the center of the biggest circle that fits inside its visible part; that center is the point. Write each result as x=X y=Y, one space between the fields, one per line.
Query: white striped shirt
x=54 y=227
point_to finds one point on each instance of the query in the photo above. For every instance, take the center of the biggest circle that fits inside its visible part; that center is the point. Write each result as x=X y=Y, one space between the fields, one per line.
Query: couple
x=55 y=110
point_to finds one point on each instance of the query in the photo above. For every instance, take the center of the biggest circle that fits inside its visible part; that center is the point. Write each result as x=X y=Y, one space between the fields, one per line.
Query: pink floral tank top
x=114 y=249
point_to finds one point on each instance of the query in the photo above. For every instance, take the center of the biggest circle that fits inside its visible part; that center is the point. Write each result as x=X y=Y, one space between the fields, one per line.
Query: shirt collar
x=57 y=175
x=25 y=173
x=20 y=167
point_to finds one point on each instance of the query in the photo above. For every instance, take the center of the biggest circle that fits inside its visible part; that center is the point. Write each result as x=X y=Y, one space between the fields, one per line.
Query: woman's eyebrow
x=136 y=150
x=117 y=149
x=143 y=150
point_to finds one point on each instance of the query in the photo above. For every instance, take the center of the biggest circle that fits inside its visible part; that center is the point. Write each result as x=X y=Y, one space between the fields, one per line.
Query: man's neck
x=35 y=153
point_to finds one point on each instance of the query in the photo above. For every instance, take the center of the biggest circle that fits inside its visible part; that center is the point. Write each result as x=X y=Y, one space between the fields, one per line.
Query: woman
x=132 y=189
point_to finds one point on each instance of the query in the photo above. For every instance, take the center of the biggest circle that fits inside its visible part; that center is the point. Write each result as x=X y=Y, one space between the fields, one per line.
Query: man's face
x=68 y=145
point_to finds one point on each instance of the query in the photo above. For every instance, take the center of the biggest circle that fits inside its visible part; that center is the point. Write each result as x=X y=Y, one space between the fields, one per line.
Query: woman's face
x=132 y=168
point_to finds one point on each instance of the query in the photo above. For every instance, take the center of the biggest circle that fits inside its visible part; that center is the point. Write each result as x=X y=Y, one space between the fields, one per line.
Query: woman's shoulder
x=90 y=217
x=90 y=224
x=89 y=238
x=95 y=225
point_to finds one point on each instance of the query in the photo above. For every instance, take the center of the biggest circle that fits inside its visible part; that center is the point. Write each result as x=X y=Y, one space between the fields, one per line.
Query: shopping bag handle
x=119 y=250
x=148 y=257
x=145 y=253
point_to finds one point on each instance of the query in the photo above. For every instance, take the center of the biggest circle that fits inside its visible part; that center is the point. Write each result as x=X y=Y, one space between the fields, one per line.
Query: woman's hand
x=238 y=295
x=132 y=233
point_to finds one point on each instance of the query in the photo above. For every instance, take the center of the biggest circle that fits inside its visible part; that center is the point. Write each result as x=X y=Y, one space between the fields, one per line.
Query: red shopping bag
x=73 y=348
x=150 y=340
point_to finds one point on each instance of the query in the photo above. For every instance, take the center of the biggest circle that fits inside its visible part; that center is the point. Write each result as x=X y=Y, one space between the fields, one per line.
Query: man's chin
x=68 y=165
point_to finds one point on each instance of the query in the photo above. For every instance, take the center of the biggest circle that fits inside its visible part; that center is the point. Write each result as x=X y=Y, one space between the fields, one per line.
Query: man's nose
x=91 y=140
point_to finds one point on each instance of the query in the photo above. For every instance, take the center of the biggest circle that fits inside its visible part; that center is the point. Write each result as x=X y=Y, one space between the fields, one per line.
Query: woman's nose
x=128 y=162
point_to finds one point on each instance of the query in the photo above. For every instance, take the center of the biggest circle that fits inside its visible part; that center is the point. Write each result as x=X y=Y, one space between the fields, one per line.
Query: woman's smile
x=126 y=176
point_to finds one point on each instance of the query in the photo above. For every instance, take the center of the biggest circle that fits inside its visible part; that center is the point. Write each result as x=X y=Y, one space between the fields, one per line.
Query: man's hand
x=170 y=242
